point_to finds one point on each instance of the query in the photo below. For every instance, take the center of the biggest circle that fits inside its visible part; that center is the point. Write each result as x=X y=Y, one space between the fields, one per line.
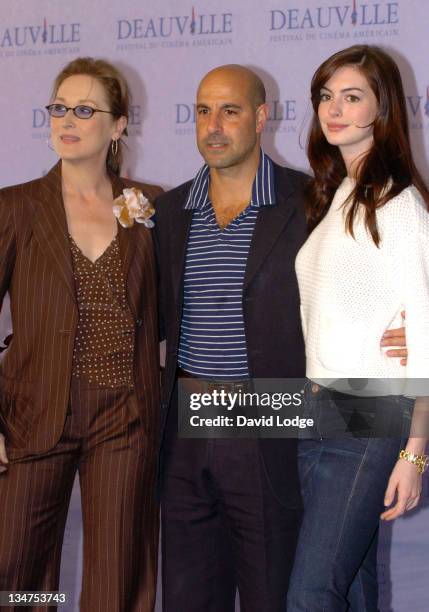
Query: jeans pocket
x=405 y=406
x=309 y=411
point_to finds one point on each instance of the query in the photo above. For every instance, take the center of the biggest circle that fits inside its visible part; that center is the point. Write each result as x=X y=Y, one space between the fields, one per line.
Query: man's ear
x=262 y=113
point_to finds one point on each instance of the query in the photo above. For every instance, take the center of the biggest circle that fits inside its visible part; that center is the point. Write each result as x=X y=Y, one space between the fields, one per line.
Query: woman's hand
x=3 y=457
x=396 y=337
x=406 y=482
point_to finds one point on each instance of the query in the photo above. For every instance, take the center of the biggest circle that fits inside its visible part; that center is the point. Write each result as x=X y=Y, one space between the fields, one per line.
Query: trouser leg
x=198 y=570
x=263 y=530
x=34 y=498
x=119 y=509
x=364 y=588
x=343 y=485
x=222 y=525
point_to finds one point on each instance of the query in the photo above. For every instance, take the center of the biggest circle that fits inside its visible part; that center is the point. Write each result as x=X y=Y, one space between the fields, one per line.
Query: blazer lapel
x=179 y=233
x=127 y=236
x=269 y=225
x=50 y=225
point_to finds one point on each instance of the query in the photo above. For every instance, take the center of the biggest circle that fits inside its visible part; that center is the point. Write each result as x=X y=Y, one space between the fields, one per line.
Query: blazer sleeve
x=7 y=242
x=7 y=253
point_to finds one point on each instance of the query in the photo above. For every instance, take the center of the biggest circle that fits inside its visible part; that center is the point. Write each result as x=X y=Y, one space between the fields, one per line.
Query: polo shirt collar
x=263 y=192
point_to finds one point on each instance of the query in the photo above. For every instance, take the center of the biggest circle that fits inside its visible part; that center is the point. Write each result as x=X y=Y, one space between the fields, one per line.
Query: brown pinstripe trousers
x=105 y=442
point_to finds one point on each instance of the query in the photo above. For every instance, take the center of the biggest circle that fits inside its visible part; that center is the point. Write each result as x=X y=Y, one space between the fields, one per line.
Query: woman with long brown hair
x=79 y=381
x=365 y=262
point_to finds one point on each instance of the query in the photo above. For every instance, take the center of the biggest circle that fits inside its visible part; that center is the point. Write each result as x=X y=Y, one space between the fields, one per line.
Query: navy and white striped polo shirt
x=212 y=336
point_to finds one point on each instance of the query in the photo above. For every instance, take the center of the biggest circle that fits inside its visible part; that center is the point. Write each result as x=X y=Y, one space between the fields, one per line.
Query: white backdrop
x=164 y=47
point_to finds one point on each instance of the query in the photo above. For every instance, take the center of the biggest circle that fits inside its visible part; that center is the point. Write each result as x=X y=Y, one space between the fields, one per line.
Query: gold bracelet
x=420 y=461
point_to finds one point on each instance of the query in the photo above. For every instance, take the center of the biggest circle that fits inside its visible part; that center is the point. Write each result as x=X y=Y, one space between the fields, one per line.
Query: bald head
x=230 y=117
x=243 y=79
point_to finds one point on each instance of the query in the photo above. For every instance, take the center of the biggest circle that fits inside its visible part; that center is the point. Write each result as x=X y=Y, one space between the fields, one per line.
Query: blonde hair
x=116 y=90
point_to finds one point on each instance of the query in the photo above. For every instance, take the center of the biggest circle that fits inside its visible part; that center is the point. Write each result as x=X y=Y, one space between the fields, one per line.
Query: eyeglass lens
x=81 y=111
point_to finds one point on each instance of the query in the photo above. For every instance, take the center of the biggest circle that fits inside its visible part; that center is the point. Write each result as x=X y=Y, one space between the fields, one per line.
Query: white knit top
x=351 y=291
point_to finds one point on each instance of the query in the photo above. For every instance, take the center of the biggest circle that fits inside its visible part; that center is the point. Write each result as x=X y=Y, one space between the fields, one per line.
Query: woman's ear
x=121 y=126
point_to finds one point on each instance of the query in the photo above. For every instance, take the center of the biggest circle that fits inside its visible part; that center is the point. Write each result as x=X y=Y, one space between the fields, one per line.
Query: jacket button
x=139 y=322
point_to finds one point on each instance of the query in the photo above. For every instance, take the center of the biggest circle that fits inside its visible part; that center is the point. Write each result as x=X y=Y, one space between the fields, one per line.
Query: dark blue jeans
x=343 y=479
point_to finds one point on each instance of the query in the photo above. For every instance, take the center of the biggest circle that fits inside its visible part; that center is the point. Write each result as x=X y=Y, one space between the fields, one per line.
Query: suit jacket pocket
x=17 y=413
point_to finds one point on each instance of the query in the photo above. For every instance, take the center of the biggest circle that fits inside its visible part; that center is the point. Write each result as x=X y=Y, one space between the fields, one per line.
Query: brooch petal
x=132 y=205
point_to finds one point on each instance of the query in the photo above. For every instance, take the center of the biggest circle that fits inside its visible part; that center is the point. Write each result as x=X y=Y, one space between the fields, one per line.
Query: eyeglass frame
x=73 y=108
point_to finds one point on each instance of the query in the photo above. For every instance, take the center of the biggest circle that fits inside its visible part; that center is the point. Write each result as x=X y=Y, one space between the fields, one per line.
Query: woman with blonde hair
x=79 y=380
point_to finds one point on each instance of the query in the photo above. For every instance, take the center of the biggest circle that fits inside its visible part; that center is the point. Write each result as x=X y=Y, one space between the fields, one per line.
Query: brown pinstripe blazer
x=36 y=269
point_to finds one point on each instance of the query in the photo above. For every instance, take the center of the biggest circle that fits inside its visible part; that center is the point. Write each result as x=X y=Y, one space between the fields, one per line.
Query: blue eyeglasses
x=81 y=111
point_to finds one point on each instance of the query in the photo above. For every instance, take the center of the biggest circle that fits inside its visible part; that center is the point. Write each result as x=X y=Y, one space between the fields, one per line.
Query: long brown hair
x=116 y=90
x=388 y=167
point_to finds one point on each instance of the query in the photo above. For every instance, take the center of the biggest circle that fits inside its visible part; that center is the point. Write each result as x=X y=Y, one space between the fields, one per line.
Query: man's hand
x=396 y=337
x=3 y=457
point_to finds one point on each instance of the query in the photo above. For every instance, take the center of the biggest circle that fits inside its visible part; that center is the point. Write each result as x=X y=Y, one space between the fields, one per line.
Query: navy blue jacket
x=275 y=344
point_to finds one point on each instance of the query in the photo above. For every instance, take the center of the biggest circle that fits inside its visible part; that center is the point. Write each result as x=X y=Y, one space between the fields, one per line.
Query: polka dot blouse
x=104 y=343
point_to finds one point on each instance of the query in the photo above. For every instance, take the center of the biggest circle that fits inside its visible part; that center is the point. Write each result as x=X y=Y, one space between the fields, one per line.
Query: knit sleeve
x=414 y=254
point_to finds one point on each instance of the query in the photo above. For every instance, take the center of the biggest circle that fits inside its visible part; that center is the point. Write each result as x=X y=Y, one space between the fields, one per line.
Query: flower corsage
x=132 y=206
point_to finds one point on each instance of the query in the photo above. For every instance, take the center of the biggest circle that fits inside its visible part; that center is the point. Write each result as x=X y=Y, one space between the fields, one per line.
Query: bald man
x=226 y=245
